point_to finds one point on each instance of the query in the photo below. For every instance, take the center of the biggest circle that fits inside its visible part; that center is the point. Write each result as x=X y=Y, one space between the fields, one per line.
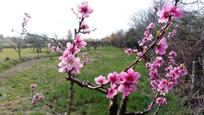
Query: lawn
x=15 y=93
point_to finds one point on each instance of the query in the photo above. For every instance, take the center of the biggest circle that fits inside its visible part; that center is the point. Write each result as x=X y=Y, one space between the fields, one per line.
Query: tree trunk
x=113 y=107
x=123 y=106
x=70 y=98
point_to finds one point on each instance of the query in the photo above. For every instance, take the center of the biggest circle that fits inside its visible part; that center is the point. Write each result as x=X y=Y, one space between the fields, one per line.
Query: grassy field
x=15 y=93
x=12 y=54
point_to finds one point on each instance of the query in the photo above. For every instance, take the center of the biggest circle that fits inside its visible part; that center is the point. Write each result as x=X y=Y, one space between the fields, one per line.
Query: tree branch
x=87 y=84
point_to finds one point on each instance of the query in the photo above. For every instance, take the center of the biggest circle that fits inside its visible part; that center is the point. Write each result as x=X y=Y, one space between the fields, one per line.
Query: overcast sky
x=55 y=16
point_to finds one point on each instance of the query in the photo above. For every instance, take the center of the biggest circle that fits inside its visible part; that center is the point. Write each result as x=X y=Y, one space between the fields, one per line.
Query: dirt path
x=20 y=68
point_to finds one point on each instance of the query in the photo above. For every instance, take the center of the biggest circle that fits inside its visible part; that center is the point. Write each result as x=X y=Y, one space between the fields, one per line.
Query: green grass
x=14 y=59
x=12 y=54
x=86 y=102
x=7 y=64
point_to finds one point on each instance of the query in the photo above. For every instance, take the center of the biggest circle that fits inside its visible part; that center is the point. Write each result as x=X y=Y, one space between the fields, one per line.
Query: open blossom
x=154 y=84
x=161 y=101
x=174 y=73
x=129 y=82
x=112 y=91
x=114 y=78
x=172 y=54
x=161 y=47
x=37 y=97
x=68 y=61
x=167 y=11
x=171 y=57
x=164 y=86
x=150 y=107
x=131 y=76
x=84 y=9
x=158 y=62
x=128 y=51
x=150 y=26
x=33 y=86
x=71 y=49
x=72 y=64
x=79 y=42
x=153 y=74
x=101 y=80
x=147 y=37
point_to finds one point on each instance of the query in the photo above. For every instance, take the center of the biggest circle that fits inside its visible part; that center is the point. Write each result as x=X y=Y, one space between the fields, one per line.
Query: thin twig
x=157 y=111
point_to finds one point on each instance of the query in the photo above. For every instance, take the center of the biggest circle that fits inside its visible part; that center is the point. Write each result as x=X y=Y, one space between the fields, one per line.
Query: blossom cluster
x=162 y=83
x=68 y=61
x=38 y=96
x=166 y=83
x=169 y=10
x=147 y=35
x=123 y=82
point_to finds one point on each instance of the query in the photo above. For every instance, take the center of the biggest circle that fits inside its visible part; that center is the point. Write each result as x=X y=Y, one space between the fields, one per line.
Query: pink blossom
x=33 y=86
x=161 y=47
x=79 y=42
x=101 y=80
x=176 y=12
x=179 y=71
x=111 y=92
x=84 y=9
x=153 y=74
x=129 y=82
x=139 y=54
x=72 y=64
x=172 y=54
x=131 y=77
x=114 y=78
x=150 y=107
x=37 y=97
x=150 y=26
x=164 y=15
x=158 y=62
x=167 y=11
x=172 y=34
x=161 y=101
x=126 y=88
x=147 y=37
x=128 y=51
x=53 y=49
x=164 y=86
x=71 y=49
x=154 y=84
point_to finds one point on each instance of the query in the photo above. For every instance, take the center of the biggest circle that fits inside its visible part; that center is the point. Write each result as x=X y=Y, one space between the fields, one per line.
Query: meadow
x=15 y=94
x=26 y=52
x=13 y=57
